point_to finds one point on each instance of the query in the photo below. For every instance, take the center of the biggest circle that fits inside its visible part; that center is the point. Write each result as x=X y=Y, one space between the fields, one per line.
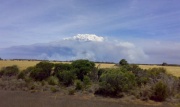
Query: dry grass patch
x=104 y=65
x=21 y=64
x=174 y=70
x=24 y=64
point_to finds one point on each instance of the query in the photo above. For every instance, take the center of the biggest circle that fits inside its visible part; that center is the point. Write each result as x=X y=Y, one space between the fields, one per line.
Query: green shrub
x=38 y=74
x=28 y=70
x=123 y=62
x=79 y=85
x=10 y=70
x=82 y=68
x=71 y=92
x=101 y=71
x=164 y=64
x=86 y=81
x=21 y=75
x=53 y=89
x=142 y=80
x=160 y=92
x=116 y=81
x=145 y=92
x=28 y=79
x=61 y=67
x=1 y=73
x=46 y=66
x=154 y=72
x=66 y=77
x=53 y=80
x=41 y=71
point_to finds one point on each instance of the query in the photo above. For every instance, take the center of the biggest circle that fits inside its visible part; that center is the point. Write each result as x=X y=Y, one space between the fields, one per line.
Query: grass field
x=174 y=70
x=21 y=64
x=24 y=64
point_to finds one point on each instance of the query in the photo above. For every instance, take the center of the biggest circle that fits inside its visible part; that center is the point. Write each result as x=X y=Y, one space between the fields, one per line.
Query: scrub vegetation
x=83 y=76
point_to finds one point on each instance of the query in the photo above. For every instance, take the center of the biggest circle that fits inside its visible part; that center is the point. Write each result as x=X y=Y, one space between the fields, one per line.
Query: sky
x=142 y=31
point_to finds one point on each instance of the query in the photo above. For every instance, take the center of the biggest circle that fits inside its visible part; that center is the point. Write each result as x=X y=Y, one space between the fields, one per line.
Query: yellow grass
x=103 y=65
x=21 y=64
x=174 y=70
x=24 y=64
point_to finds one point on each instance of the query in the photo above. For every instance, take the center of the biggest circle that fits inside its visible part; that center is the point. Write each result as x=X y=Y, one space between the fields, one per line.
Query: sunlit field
x=24 y=64
x=174 y=70
x=104 y=65
x=21 y=64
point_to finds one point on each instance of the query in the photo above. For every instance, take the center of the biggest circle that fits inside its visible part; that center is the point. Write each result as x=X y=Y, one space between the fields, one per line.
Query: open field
x=174 y=70
x=24 y=64
x=21 y=64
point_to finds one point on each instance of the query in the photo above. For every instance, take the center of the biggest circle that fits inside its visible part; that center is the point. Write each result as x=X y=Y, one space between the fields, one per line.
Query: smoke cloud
x=82 y=46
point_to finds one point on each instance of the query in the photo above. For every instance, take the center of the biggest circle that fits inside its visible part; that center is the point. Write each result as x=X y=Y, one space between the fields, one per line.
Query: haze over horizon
x=141 y=31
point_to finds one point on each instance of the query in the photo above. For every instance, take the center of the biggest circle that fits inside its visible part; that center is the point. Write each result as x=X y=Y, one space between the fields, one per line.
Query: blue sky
x=152 y=25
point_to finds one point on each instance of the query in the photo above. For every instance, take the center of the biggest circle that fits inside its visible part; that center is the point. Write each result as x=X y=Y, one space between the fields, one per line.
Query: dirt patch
x=47 y=99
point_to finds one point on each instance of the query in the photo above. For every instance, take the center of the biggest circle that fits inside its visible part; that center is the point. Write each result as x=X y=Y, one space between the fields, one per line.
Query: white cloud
x=86 y=37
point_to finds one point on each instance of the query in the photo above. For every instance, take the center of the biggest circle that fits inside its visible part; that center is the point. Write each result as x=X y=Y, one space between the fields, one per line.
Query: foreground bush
x=82 y=68
x=53 y=80
x=160 y=92
x=86 y=81
x=115 y=81
x=21 y=75
x=60 y=67
x=41 y=71
x=28 y=70
x=9 y=71
x=66 y=77
x=79 y=85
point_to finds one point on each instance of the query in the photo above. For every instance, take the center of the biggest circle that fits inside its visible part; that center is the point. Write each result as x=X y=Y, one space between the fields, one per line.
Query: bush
x=101 y=71
x=66 y=77
x=28 y=70
x=62 y=67
x=160 y=92
x=38 y=74
x=86 y=81
x=21 y=75
x=123 y=62
x=79 y=85
x=154 y=72
x=82 y=68
x=125 y=65
x=116 y=81
x=142 y=80
x=146 y=92
x=28 y=80
x=41 y=71
x=53 y=80
x=71 y=92
x=164 y=64
x=10 y=71
x=93 y=75
x=53 y=89
x=1 y=73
